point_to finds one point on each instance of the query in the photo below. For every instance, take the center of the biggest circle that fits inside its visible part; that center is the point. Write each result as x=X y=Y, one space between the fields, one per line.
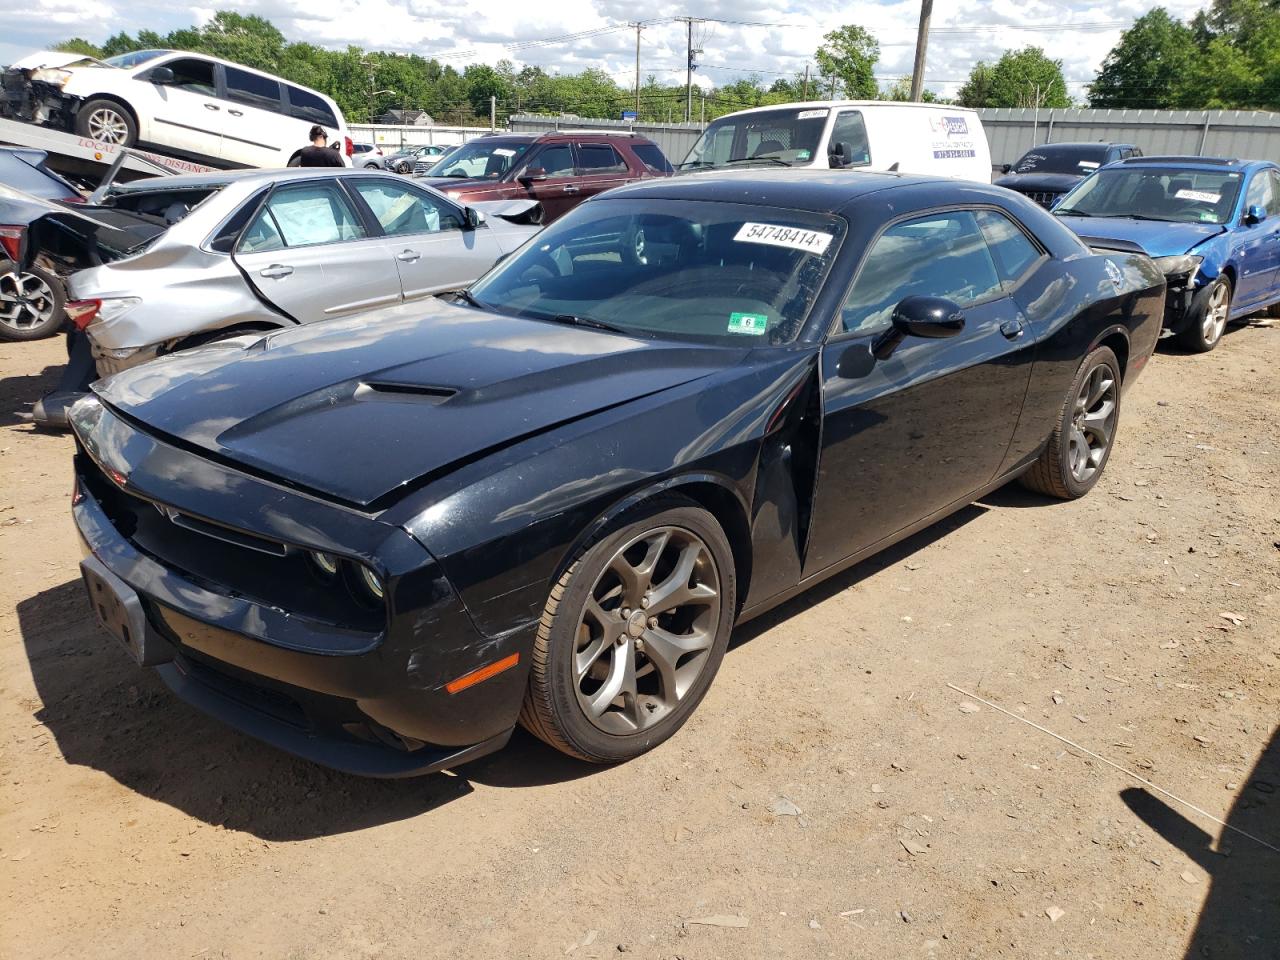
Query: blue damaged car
x=1211 y=225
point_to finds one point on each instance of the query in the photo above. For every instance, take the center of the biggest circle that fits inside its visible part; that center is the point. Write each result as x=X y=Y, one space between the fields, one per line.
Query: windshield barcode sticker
x=1201 y=195
x=810 y=114
x=503 y=152
x=810 y=241
x=752 y=324
x=1089 y=164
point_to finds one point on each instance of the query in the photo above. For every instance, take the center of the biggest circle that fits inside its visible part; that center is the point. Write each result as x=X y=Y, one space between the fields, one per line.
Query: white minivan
x=849 y=135
x=187 y=104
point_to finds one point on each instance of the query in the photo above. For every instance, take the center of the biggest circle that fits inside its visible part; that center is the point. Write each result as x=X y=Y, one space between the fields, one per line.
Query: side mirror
x=840 y=155
x=533 y=175
x=932 y=318
x=1006 y=168
x=473 y=217
x=1255 y=214
x=161 y=75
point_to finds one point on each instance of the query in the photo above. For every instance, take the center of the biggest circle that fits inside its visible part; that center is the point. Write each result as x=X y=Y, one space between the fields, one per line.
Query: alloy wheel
x=26 y=301
x=108 y=126
x=646 y=630
x=1093 y=422
x=1215 y=314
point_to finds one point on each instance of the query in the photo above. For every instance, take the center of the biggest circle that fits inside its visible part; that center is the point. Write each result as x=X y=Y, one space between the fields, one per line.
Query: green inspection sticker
x=752 y=324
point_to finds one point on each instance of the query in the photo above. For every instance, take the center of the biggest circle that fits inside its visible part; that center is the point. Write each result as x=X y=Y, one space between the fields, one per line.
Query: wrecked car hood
x=354 y=409
x=56 y=58
x=73 y=238
x=1155 y=238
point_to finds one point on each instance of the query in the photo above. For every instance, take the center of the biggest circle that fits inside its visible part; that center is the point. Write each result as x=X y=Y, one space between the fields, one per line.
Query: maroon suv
x=559 y=170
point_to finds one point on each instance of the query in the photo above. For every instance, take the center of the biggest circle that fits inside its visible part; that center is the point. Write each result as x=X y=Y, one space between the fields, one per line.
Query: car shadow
x=104 y=713
x=827 y=589
x=1240 y=919
x=18 y=394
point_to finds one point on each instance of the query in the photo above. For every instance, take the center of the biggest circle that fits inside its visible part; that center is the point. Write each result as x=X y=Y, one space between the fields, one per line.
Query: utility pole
x=805 y=94
x=639 y=26
x=493 y=113
x=922 y=46
x=688 y=71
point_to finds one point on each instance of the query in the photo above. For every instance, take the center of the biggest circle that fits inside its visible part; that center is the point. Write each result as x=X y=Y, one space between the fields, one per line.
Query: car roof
x=818 y=191
x=222 y=178
x=1083 y=143
x=838 y=104
x=1195 y=163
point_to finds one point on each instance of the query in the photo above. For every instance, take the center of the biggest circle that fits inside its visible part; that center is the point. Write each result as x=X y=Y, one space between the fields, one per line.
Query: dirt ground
x=830 y=798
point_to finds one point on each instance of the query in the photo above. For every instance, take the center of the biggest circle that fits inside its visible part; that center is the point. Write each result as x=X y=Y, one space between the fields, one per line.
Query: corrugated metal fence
x=1011 y=132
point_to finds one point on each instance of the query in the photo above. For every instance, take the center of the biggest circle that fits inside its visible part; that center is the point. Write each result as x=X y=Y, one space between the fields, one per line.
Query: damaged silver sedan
x=162 y=265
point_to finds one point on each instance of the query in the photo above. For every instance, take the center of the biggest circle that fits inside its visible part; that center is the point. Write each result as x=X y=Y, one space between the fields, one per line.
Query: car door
x=184 y=113
x=1257 y=244
x=253 y=132
x=600 y=167
x=308 y=253
x=906 y=436
x=557 y=189
x=432 y=247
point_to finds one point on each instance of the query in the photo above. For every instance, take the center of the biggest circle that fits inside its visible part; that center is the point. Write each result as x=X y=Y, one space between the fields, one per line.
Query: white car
x=187 y=104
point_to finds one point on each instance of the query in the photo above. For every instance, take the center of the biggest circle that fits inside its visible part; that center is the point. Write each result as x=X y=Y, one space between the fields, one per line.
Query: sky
x=767 y=37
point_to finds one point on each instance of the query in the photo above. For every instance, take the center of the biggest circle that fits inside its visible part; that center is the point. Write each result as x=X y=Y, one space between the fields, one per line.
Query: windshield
x=1155 y=193
x=127 y=60
x=689 y=269
x=771 y=136
x=484 y=159
x=1072 y=159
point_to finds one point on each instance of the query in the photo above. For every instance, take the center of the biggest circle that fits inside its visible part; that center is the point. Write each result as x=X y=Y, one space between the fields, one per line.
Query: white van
x=849 y=135
x=186 y=104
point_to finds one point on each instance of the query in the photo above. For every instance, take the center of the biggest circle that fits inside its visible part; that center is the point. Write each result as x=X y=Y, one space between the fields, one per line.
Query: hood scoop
x=402 y=392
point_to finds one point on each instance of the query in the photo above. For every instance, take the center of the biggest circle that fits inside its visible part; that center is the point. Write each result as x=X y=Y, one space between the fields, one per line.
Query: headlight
x=52 y=75
x=85 y=414
x=1176 y=266
x=371 y=582
x=326 y=563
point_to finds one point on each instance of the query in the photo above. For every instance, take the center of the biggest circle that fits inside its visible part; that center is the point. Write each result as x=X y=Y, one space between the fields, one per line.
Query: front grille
x=230 y=561
x=1046 y=198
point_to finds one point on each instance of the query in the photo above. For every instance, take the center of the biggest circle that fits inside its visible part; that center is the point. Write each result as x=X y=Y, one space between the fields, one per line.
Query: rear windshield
x=1073 y=159
x=652 y=157
x=693 y=270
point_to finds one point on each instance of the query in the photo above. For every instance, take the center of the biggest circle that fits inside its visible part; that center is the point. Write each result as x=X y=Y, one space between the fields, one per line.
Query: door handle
x=211 y=106
x=236 y=113
x=570 y=188
x=408 y=256
x=275 y=271
x=1012 y=329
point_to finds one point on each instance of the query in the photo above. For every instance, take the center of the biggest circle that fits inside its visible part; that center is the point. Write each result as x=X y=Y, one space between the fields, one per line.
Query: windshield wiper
x=587 y=322
x=1140 y=216
x=465 y=295
x=778 y=160
x=1073 y=213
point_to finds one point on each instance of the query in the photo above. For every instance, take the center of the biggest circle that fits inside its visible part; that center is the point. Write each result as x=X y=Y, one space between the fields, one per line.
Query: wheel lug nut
x=644 y=601
x=653 y=623
x=626 y=612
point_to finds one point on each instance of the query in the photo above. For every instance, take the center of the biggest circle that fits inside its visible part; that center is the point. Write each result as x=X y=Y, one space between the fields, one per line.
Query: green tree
x=250 y=40
x=1148 y=66
x=900 y=91
x=78 y=45
x=1020 y=78
x=849 y=56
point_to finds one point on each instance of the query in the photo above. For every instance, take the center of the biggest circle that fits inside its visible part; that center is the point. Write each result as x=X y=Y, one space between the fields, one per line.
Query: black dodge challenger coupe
x=382 y=542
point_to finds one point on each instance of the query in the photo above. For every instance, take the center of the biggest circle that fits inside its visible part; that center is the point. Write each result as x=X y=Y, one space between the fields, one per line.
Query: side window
x=599 y=158
x=1012 y=249
x=302 y=216
x=1262 y=192
x=1274 y=209
x=851 y=130
x=652 y=157
x=309 y=107
x=556 y=159
x=401 y=210
x=252 y=90
x=939 y=255
x=195 y=76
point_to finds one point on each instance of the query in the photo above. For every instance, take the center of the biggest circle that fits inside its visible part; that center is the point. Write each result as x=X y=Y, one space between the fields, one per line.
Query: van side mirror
x=533 y=175
x=161 y=75
x=840 y=155
x=1255 y=214
x=932 y=318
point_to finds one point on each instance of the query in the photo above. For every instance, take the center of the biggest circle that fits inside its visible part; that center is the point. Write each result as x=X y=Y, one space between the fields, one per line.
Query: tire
x=31 y=304
x=1064 y=470
x=583 y=626
x=371 y=166
x=1208 y=317
x=108 y=122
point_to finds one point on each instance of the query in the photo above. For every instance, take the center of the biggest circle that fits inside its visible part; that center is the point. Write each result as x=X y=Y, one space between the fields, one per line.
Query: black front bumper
x=376 y=708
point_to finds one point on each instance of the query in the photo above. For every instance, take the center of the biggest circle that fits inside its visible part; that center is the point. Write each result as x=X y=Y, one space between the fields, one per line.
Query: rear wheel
x=1209 y=311
x=1081 y=442
x=31 y=304
x=632 y=635
x=107 y=122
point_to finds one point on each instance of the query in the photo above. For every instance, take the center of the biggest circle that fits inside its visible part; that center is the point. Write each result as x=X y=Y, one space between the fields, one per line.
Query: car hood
x=56 y=58
x=354 y=409
x=1154 y=238
x=1039 y=182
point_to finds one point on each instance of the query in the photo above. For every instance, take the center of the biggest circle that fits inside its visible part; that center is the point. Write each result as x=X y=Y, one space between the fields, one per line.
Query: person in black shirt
x=317 y=154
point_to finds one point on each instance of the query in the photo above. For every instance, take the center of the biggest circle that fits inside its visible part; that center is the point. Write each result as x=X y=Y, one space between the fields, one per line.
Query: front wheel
x=107 y=122
x=31 y=304
x=1081 y=442
x=632 y=635
x=1209 y=311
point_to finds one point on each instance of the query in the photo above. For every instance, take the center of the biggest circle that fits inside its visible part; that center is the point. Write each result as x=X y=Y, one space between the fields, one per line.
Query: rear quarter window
x=309 y=107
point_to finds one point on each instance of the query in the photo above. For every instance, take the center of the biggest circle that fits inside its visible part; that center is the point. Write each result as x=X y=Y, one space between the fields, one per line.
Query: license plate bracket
x=118 y=609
